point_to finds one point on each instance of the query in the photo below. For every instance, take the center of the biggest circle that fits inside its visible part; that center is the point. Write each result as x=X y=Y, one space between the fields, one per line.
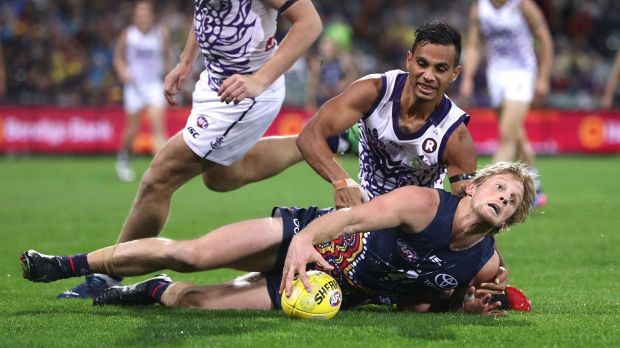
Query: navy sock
x=77 y=265
x=155 y=288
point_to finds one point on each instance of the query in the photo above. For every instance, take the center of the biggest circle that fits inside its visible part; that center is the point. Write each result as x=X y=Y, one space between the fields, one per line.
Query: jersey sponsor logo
x=217 y=144
x=405 y=250
x=429 y=145
x=192 y=132
x=202 y=122
x=446 y=281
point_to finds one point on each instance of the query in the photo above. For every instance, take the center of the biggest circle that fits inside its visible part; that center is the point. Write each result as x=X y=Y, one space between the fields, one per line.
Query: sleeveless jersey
x=144 y=54
x=507 y=35
x=392 y=158
x=391 y=262
x=235 y=36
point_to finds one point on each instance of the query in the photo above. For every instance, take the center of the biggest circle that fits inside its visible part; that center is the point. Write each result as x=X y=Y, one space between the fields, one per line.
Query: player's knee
x=151 y=184
x=182 y=257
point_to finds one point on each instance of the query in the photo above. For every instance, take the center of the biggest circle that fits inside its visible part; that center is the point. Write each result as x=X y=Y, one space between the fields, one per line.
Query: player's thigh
x=250 y=245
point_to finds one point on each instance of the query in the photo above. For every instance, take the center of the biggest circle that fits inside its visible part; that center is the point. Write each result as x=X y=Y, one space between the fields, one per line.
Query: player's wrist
x=344 y=183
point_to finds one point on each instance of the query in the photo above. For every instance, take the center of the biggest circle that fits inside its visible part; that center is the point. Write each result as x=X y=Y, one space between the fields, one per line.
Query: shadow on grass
x=157 y=325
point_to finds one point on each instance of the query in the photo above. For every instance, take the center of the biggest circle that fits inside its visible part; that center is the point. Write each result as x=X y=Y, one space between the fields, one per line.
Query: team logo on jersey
x=217 y=143
x=202 y=122
x=446 y=281
x=429 y=145
x=405 y=250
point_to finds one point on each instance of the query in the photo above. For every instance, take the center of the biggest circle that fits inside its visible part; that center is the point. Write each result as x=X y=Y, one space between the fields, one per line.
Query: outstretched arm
x=334 y=117
x=410 y=207
x=305 y=29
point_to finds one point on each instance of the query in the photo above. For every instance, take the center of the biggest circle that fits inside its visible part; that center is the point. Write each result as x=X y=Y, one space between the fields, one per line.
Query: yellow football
x=322 y=303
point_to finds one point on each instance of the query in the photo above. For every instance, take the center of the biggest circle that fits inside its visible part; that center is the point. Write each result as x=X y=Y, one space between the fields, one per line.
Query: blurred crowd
x=59 y=52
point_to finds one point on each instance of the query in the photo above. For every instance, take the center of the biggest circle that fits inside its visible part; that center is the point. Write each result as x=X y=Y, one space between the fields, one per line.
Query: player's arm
x=460 y=157
x=540 y=30
x=612 y=84
x=334 y=117
x=411 y=207
x=176 y=78
x=120 y=65
x=305 y=29
x=167 y=47
x=471 y=54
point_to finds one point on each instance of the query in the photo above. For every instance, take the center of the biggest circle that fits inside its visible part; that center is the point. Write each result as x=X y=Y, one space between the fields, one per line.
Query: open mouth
x=495 y=207
x=426 y=88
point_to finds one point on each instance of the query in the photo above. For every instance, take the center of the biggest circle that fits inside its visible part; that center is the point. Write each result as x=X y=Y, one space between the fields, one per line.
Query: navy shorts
x=293 y=221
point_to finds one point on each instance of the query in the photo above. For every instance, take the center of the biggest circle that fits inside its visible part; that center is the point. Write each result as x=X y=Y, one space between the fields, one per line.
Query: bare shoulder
x=363 y=93
x=418 y=206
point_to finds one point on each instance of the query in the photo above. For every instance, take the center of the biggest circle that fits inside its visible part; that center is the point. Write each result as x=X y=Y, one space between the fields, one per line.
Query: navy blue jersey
x=391 y=262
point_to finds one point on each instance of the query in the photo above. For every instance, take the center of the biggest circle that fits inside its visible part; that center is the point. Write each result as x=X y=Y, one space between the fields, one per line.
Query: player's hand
x=482 y=306
x=300 y=253
x=498 y=285
x=175 y=80
x=238 y=87
x=541 y=91
x=348 y=197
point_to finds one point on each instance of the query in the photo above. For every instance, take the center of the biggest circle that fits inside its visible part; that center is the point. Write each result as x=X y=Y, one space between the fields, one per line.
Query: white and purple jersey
x=144 y=55
x=235 y=36
x=507 y=35
x=392 y=158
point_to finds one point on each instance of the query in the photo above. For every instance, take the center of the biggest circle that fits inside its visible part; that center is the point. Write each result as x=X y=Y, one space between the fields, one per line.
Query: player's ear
x=456 y=72
x=470 y=189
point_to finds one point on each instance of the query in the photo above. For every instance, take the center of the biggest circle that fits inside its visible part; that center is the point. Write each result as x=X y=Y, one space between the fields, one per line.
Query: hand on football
x=300 y=253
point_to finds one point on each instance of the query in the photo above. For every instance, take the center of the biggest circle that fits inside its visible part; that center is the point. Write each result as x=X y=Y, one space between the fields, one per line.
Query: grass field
x=564 y=258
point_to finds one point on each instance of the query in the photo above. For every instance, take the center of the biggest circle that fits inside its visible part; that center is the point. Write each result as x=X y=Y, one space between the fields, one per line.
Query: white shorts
x=515 y=85
x=138 y=96
x=224 y=133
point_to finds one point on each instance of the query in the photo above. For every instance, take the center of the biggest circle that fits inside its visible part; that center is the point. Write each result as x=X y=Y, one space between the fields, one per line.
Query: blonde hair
x=519 y=171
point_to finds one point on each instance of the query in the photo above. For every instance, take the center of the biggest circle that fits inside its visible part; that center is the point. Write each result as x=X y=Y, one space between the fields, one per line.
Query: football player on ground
x=424 y=243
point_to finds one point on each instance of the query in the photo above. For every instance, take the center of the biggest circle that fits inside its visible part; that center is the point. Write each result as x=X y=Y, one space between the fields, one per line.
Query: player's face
x=497 y=199
x=143 y=16
x=432 y=70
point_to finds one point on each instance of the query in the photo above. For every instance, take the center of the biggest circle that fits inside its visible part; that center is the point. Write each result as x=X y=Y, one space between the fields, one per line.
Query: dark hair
x=439 y=33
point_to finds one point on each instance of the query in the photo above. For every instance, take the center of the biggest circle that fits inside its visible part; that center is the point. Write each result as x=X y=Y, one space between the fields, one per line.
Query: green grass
x=564 y=258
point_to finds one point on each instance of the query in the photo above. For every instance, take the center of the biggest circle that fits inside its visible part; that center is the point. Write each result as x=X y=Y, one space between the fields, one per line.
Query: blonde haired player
x=141 y=59
x=412 y=243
